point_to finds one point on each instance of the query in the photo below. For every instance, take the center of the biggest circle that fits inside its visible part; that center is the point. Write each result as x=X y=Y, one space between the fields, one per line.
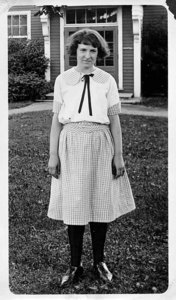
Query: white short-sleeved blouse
x=68 y=91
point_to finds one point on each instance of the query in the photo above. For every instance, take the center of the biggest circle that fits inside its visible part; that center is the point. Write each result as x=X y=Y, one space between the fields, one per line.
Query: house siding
x=128 y=74
x=152 y=14
x=55 y=46
x=36 y=26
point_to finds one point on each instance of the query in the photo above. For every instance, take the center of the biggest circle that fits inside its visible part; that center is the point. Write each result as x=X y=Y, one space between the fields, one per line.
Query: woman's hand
x=118 y=166
x=54 y=165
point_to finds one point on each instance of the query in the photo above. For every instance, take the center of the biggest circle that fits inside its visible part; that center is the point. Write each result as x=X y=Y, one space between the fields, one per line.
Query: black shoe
x=72 y=276
x=101 y=272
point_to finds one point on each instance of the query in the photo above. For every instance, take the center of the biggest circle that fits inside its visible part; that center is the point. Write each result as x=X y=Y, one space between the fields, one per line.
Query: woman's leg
x=98 y=234
x=75 y=234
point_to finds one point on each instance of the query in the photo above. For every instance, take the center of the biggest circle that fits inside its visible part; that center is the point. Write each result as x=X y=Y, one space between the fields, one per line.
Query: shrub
x=27 y=65
x=27 y=86
x=27 y=56
x=154 y=59
x=14 y=45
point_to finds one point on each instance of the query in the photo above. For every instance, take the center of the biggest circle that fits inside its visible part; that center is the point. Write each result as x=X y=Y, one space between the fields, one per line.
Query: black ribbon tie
x=86 y=83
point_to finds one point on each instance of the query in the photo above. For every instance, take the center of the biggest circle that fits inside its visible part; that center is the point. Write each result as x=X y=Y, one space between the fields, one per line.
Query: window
x=19 y=24
x=91 y=15
x=108 y=36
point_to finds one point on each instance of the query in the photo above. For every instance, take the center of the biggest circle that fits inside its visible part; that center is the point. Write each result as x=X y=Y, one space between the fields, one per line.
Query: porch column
x=62 y=56
x=137 y=17
x=45 y=20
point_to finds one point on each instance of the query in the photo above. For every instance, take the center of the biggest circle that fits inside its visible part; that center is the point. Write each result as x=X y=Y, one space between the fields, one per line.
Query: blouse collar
x=82 y=73
x=72 y=76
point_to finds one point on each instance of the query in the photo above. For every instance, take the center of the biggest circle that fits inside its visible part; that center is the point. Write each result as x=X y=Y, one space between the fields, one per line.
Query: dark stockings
x=98 y=235
x=75 y=235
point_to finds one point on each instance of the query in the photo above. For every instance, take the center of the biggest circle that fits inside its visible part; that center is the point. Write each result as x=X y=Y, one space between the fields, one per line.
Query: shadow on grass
x=19 y=104
x=160 y=102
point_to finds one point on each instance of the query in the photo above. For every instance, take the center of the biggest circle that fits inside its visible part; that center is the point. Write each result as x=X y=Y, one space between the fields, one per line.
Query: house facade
x=121 y=25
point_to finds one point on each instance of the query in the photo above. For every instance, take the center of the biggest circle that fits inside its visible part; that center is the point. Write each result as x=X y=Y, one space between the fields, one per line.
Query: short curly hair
x=87 y=36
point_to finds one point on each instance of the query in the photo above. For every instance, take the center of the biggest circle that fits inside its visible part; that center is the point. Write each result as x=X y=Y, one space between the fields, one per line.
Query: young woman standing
x=89 y=181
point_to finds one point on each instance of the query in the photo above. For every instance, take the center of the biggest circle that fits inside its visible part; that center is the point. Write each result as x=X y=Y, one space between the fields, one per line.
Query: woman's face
x=86 y=56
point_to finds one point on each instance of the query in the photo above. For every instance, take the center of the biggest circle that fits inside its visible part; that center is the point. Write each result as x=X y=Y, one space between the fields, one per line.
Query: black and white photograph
x=88 y=190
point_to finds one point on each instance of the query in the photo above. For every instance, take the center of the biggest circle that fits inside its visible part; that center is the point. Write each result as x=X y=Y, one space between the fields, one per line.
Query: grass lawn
x=137 y=243
x=160 y=102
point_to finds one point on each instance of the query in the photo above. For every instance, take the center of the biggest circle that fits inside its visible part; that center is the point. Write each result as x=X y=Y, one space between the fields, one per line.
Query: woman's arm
x=54 y=162
x=116 y=132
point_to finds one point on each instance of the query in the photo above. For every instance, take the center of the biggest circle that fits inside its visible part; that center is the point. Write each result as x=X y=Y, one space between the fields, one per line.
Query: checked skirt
x=86 y=190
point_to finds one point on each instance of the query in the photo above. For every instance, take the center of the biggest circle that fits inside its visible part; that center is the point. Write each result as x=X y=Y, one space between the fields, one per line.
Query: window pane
x=111 y=47
x=101 y=15
x=23 y=20
x=15 y=20
x=109 y=61
x=91 y=15
x=15 y=30
x=109 y=36
x=9 y=30
x=23 y=30
x=70 y=15
x=111 y=15
x=80 y=16
x=101 y=33
x=72 y=61
x=100 y=62
x=9 y=20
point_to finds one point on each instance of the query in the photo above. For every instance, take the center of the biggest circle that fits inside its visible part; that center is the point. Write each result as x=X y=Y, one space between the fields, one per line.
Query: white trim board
x=120 y=47
x=62 y=56
x=9 y=3
x=91 y=2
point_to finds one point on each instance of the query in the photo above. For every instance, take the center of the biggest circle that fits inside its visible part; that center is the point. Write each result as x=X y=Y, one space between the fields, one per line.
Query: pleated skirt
x=86 y=190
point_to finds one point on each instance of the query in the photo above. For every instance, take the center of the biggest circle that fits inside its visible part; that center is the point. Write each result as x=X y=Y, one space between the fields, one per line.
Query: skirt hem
x=91 y=220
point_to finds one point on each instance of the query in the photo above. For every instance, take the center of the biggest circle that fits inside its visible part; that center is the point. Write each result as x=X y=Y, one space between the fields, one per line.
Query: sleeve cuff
x=56 y=107
x=114 y=110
